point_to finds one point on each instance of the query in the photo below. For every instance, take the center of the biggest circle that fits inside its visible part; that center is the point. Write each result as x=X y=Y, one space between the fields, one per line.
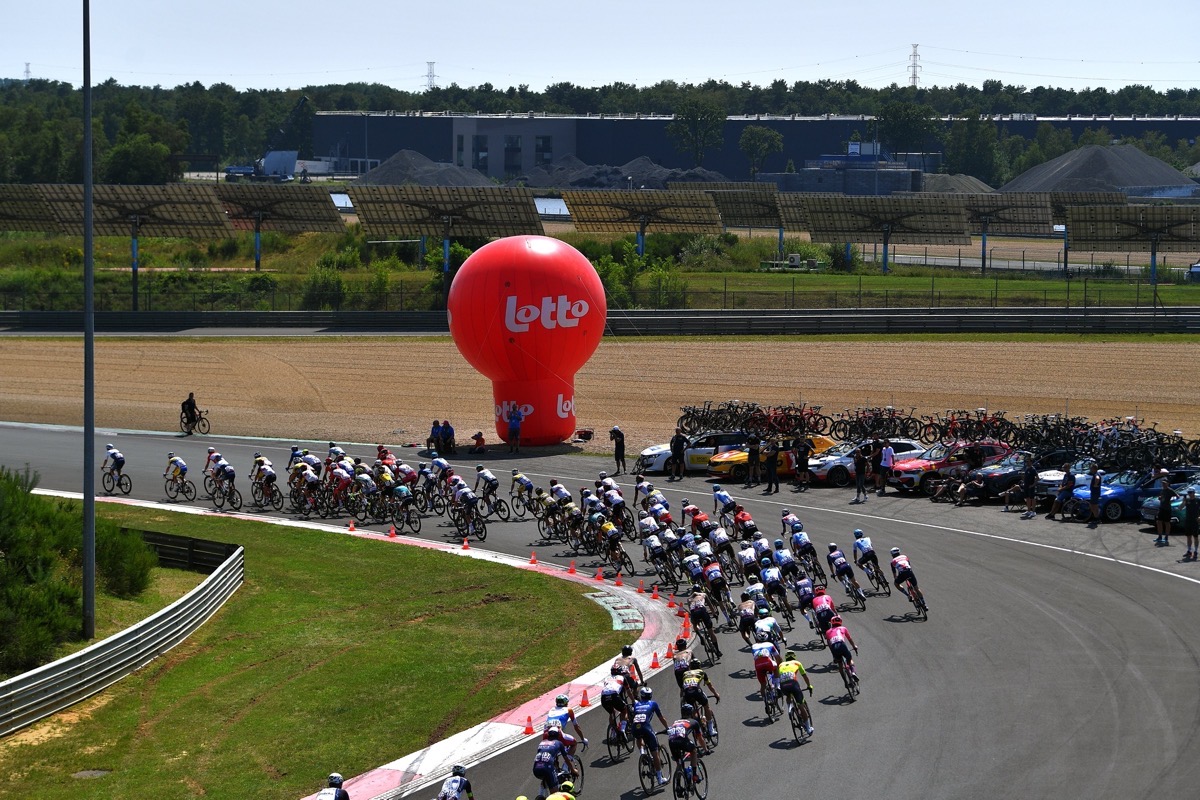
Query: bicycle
x=917 y=602
x=521 y=505
x=797 y=714
x=647 y=775
x=222 y=494
x=783 y=606
x=181 y=485
x=200 y=425
x=405 y=514
x=266 y=494
x=497 y=507
x=849 y=678
x=617 y=739
x=813 y=565
x=857 y=595
x=564 y=774
x=771 y=700
x=683 y=783
x=112 y=481
x=878 y=580
x=709 y=642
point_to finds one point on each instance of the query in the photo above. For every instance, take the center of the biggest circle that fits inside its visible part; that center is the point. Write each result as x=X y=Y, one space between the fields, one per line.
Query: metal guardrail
x=28 y=697
x=665 y=322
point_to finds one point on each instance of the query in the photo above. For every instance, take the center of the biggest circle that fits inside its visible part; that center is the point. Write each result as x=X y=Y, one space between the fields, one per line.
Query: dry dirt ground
x=389 y=389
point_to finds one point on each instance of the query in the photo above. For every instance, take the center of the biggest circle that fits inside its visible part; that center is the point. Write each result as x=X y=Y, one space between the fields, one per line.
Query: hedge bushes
x=41 y=571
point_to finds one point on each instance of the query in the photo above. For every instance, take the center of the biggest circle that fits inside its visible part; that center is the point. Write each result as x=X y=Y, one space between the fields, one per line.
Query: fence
x=49 y=689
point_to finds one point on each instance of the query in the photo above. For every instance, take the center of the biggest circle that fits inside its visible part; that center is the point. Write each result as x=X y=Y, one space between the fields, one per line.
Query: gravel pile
x=408 y=166
x=1096 y=168
x=955 y=184
x=571 y=173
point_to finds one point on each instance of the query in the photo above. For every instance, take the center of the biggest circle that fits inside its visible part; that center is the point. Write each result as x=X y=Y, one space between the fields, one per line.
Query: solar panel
x=898 y=220
x=444 y=211
x=792 y=211
x=750 y=205
x=1174 y=229
x=22 y=208
x=648 y=211
x=1008 y=214
x=290 y=208
x=1061 y=201
x=185 y=210
x=715 y=186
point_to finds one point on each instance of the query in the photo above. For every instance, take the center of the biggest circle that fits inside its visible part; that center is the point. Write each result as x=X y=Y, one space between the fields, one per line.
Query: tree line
x=140 y=132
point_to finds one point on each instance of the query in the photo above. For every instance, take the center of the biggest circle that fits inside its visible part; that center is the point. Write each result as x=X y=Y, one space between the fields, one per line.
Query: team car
x=836 y=465
x=733 y=463
x=1149 y=509
x=1002 y=475
x=700 y=448
x=942 y=460
x=1124 y=494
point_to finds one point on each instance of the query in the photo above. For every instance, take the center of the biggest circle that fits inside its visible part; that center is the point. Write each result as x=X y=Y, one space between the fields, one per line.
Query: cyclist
x=902 y=573
x=607 y=483
x=264 y=473
x=698 y=612
x=762 y=548
x=643 y=714
x=718 y=586
x=656 y=499
x=176 y=466
x=722 y=501
x=610 y=535
x=766 y=627
x=630 y=667
x=746 y=614
x=224 y=473
x=789 y=671
x=824 y=609
x=840 y=641
x=385 y=455
x=695 y=570
x=545 y=762
x=804 y=595
x=313 y=461
x=562 y=713
x=440 y=466
x=743 y=523
x=490 y=484
x=336 y=452
x=681 y=660
x=786 y=562
x=211 y=460
x=334 y=790
x=864 y=553
x=766 y=660
x=340 y=478
x=839 y=566
x=612 y=699
x=747 y=560
x=588 y=501
x=642 y=488
x=118 y=460
x=693 y=511
x=686 y=736
x=694 y=681
x=772 y=579
x=311 y=483
x=802 y=546
x=789 y=519
x=521 y=486
x=406 y=474
x=454 y=786
x=559 y=492
x=721 y=541
x=614 y=501
x=565 y=792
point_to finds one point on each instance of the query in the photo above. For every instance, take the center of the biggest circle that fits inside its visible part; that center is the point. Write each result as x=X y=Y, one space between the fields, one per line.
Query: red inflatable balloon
x=528 y=312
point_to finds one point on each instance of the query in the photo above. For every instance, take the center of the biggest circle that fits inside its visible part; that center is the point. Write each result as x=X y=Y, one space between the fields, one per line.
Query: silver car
x=836 y=465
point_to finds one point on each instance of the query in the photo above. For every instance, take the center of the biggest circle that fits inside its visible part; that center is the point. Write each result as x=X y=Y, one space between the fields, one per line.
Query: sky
x=269 y=44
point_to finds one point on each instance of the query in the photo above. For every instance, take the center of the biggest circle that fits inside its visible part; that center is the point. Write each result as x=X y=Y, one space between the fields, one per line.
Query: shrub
x=224 y=250
x=323 y=289
x=345 y=259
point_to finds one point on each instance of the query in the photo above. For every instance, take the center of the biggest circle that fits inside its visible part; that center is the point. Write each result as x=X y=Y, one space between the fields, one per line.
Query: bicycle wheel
x=189 y=490
x=518 y=507
x=713 y=734
x=202 y=425
x=276 y=498
x=218 y=497
x=106 y=480
x=438 y=504
x=125 y=484
x=700 y=786
x=615 y=741
x=798 y=732
x=679 y=782
x=413 y=520
x=171 y=488
x=256 y=493
x=210 y=485
x=479 y=524
x=646 y=775
x=626 y=564
x=578 y=779
x=235 y=499
x=183 y=422
x=502 y=510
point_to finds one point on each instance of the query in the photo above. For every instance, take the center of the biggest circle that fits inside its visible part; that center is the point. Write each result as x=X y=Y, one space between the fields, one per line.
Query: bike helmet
x=785 y=513
x=329 y=459
x=217 y=456
x=762 y=636
x=553 y=733
x=458 y=770
x=304 y=452
x=357 y=460
x=895 y=551
x=797 y=527
x=790 y=656
x=433 y=454
x=597 y=484
x=642 y=515
x=332 y=445
x=567 y=786
x=716 y=488
x=554 y=482
x=260 y=460
x=603 y=475
x=766 y=562
x=335 y=780
x=210 y=450
x=763 y=611
x=561 y=701
x=837 y=620
x=645 y=693
x=515 y=473
x=694 y=663
x=110 y=447
x=584 y=491
x=779 y=544
x=687 y=710
x=295 y=447
x=614 y=670
x=479 y=467
x=627 y=651
x=697 y=588
x=758 y=534
x=377 y=463
x=832 y=546
x=680 y=644
x=858 y=534
x=739 y=509
x=820 y=590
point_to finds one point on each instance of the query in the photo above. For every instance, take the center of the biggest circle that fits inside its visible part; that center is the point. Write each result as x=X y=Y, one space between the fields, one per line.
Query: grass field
x=337 y=653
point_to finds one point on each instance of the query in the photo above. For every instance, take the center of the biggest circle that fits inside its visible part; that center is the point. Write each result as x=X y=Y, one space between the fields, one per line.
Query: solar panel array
x=1007 y=214
x=896 y=220
x=793 y=211
x=1060 y=202
x=181 y=209
x=23 y=208
x=1134 y=228
x=756 y=206
x=648 y=211
x=442 y=211
x=286 y=208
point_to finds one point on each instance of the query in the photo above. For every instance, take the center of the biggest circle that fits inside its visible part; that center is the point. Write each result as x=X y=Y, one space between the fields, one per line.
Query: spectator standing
x=1162 y=523
x=801 y=453
x=434 y=442
x=678 y=451
x=887 y=457
x=190 y=414
x=1066 y=488
x=1029 y=486
x=515 y=418
x=771 y=465
x=448 y=437
x=754 y=462
x=618 y=440
x=860 y=473
x=1191 y=524
x=876 y=462
x=1094 y=479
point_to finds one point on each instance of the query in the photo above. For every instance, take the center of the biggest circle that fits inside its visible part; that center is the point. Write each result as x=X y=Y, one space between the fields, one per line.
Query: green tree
x=906 y=127
x=139 y=160
x=971 y=148
x=698 y=126
x=757 y=142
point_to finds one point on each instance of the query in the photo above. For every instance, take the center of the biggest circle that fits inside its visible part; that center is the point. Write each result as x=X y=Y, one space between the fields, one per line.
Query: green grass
x=337 y=653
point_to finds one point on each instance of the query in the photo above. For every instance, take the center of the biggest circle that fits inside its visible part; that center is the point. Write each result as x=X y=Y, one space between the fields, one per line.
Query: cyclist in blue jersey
x=643 y=713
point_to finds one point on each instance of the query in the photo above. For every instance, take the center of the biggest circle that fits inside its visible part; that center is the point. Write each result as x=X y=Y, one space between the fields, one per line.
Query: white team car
x=700 y=448
x=836 y=465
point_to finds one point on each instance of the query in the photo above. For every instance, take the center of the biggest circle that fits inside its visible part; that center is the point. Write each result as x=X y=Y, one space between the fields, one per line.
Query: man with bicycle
x=190 y=414
x=177 y=467
x=789 y=672
x=840 y=641
x=839 y=566
x=643 y=713
x=490 y=484
x=772 y=581
x=902 y=573
x=545 y=761
x=612 y=699
x=112 y=454
x=699 y=614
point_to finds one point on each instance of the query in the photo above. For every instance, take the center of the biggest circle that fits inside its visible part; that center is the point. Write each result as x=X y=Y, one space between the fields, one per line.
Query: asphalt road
x=1041 y=670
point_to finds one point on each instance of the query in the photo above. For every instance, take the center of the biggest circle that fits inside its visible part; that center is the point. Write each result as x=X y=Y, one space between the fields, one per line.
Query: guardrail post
x=1137 y=302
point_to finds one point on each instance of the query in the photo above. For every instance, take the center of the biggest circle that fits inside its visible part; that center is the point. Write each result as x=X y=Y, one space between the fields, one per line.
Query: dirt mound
x=571 y=173
x=408 y=166
x=1096 y=168
x=955 y=184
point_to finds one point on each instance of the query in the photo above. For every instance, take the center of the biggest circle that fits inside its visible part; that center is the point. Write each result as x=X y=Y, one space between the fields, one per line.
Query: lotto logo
x=553 y=313
x=503 y=409
x=565 y=408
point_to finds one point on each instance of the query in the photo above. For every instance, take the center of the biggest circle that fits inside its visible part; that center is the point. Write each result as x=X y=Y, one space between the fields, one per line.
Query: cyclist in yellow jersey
x=565 y=792
x=790 y=670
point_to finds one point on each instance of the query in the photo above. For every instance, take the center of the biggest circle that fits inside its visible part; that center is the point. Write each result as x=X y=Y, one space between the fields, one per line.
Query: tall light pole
x=89 y=346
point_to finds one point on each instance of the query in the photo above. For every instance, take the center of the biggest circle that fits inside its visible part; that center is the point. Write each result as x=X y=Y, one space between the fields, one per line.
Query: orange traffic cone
x=671 y=600
x=532 y=556
x=352 y=525
x=584 y=702
x=466 y=545
x=641 y=587
x=654 y=662
x=391 y=531
x=599 y=574
x=654 y=594
x=528 y=725
x=680 y=612
x=571 y=569
x=670 y=650
x=618 y=582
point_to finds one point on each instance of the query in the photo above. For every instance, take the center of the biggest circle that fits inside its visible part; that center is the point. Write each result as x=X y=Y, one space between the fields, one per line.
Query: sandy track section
x=389 y=389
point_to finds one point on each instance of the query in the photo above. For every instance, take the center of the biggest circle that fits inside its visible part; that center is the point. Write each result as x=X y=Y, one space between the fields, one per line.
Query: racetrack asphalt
x=1056 y=660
